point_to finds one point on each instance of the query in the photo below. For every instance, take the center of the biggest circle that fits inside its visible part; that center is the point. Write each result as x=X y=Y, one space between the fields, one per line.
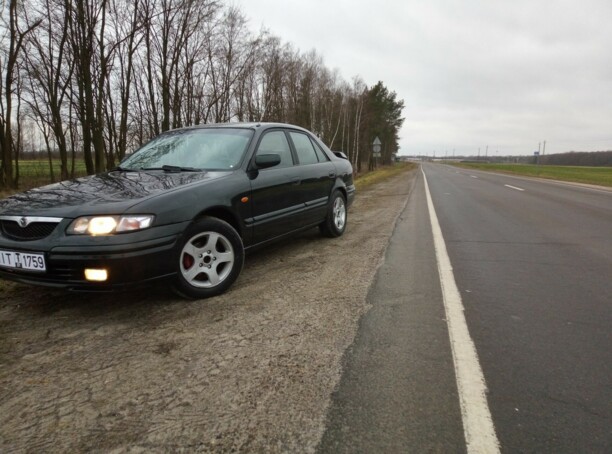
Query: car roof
x=249 y=125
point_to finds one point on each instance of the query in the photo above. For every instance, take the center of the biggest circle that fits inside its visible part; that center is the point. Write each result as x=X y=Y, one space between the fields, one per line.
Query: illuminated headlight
x=107 y=225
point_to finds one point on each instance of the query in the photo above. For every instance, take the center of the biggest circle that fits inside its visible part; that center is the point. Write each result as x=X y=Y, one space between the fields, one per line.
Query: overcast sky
x=507 y=74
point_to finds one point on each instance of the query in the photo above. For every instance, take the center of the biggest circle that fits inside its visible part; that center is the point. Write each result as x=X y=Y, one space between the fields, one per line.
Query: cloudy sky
x=507 y=74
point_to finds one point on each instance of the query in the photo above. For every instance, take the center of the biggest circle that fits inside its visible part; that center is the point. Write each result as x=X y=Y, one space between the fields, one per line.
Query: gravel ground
x=252 y=370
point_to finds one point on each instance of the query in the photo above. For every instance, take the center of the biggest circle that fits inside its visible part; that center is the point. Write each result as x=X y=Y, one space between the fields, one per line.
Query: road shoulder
x=398 y=391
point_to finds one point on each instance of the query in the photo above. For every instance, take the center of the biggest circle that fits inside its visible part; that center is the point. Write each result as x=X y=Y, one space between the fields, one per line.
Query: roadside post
x=376 y=148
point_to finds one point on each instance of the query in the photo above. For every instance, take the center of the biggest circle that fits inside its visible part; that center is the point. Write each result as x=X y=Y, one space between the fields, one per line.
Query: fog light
x=96 y=275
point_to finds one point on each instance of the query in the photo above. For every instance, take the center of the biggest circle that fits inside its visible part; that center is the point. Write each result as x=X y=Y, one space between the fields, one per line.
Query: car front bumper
x=129 y=259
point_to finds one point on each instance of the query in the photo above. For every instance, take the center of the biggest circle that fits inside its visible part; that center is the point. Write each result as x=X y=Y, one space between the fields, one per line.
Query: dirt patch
x=251 y=370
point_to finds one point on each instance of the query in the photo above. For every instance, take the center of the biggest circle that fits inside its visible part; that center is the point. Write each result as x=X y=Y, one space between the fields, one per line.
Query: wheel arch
x=224 y=214
x=342 y=189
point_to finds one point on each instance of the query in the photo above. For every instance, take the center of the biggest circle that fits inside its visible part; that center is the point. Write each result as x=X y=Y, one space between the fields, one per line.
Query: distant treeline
x=578 y=158
x=572 y=158
x=97 y=78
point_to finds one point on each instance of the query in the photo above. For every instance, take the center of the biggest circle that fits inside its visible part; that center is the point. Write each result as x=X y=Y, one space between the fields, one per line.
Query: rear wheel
x=210 y=259
x=335 y=222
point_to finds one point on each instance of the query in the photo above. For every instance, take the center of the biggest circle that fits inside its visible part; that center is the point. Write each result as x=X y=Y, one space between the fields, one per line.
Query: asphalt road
x=533 y=263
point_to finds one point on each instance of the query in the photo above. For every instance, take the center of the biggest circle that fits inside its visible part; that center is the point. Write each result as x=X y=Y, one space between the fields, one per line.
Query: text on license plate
x=22 y=261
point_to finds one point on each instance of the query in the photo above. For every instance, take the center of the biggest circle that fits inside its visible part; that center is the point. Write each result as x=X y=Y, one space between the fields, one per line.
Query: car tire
x=335 y=222
x=209 y=260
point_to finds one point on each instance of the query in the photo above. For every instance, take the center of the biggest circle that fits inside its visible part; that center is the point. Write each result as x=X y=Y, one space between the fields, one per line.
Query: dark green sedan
x=184 y=207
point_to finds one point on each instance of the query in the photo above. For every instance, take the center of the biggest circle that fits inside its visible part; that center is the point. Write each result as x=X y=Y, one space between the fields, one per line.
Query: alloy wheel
x=339 y=211
x=207 y=259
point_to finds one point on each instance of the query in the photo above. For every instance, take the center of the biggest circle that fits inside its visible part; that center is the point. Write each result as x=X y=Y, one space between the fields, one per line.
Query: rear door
x=317 y=173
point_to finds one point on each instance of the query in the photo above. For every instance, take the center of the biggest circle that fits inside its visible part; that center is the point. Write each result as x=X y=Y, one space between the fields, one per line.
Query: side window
x=304 y=148
x=320 y=153
x=276 y=142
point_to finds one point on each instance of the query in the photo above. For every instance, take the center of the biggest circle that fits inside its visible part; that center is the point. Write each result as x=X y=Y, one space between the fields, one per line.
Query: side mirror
x=263 y=161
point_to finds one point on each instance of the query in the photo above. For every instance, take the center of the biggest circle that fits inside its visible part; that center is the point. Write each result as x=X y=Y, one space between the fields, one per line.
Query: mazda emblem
x=23 y=222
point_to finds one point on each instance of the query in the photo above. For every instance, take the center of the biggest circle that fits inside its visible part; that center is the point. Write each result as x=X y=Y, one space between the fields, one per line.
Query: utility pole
x=487 y=152
x=479 y=153
x=544 y=149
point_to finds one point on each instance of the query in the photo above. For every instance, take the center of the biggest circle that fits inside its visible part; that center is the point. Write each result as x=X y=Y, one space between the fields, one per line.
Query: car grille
x=34 y=231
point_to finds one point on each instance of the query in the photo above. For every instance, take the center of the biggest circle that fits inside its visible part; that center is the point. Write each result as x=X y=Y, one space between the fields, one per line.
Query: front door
x=275 y=197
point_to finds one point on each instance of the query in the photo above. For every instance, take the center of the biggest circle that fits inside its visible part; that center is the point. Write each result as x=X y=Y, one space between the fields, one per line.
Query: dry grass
x=382 y=173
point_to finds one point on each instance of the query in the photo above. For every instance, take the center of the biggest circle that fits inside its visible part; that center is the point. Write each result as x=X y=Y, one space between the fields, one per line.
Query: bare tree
x=100 y=77
x=230 y=54
x=50 y=70
x=84 y=18
x=177 y=30
x=17 y=28
x=128 y=36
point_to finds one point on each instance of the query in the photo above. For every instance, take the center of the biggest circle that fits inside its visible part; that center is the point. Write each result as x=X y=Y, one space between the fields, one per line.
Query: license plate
x=22 y=261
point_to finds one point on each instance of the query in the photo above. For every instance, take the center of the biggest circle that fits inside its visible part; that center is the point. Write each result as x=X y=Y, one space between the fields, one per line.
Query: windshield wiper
x=167 y=168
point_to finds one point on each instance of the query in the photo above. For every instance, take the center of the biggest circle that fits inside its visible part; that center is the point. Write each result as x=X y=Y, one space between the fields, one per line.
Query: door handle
x=332 y=175
x=295 y=180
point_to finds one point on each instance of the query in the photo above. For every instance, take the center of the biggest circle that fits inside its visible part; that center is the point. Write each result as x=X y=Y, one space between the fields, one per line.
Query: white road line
x=473 y=176
x=478 y=425
x=569 y=184
x=513 y=187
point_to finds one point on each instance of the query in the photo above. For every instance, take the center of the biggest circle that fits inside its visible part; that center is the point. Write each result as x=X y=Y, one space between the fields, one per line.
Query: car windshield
x=193 y=149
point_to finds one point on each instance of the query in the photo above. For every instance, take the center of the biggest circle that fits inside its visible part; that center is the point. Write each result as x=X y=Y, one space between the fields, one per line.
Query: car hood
x=106 y=193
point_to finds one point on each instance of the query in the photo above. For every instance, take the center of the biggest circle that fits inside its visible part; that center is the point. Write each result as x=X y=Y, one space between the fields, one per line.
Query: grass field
x=590 y=175
x=35 y=172
x=39 y=169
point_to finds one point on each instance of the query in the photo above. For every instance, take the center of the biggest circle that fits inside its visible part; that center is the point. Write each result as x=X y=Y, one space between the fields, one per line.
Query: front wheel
x=335 y=222
x=210 y=258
